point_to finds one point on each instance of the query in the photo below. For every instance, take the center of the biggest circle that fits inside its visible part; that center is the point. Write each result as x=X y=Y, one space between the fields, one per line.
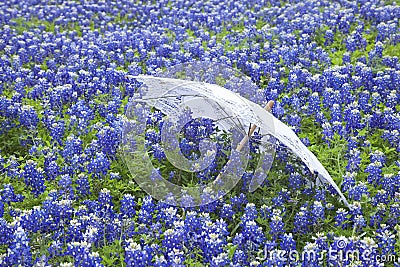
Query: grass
x=331 y=157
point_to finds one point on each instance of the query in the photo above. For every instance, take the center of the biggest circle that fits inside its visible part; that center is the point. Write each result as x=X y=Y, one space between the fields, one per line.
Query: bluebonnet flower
x=392 y=99
x=83 y=113
x=8 y=195
x=348 y=181
x=55 y=249
x=19 y=251
x=302 y=221
x=82 y=255
x=1 y=208
x=73 y=145
x=317 y=211
x=108 y=140
x=376 y=99
x=146 y=210
x=369 y=247
x=355 y=41
x=250 y=213
x=266 y=212
x=28 y=116
x=99 y=165
x=288 y=243
x=352 y=117
x=327 y=132
x=359 y=223
x=393 y=137
x=168 y=215
x=65 y=183
x=277 y=226
x=311 y=255
x=381 y=196
x=320 y=195
x=92 y=148
x=336 y=113
x=295 y=122
x=282 y=197
x=355 y=209
x=354 y=162
x=105 y=208
x=346 y=59
x=378 y=156
x=356 y=192
x=135 y=255
x=378 y=216
x=320 y=118
x=176 y=257
x=51 y=168
x=238 y=202
x=314 y=103
x=278 y=110
x=6 y=232
x=173 y=239
x=1 y=163
x=341 y=245
x=296 y=181
x=390 y=183
x=128 y=206
x=226 y=211
x=75 y=231
x=387 y=240
x=214 y=243
x=57 y=130
x=375 y=172
x=82 y=185
x=33 y=177
x=221 y=259
x=321 y=240
x=328 y=37
x=363 y=100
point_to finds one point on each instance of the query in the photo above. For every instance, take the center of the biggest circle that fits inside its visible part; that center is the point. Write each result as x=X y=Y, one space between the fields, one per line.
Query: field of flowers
x=66 y=76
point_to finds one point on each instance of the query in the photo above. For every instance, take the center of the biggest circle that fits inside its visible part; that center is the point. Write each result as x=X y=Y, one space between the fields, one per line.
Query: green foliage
x=112 y=254
x=331 y=156
x=392 y=50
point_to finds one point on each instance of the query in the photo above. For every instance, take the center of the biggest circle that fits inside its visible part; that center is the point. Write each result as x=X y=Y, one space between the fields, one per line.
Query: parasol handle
x=267 y=107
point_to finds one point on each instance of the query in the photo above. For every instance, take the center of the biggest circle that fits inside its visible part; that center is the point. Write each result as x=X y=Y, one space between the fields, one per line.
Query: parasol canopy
x=233 y=113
